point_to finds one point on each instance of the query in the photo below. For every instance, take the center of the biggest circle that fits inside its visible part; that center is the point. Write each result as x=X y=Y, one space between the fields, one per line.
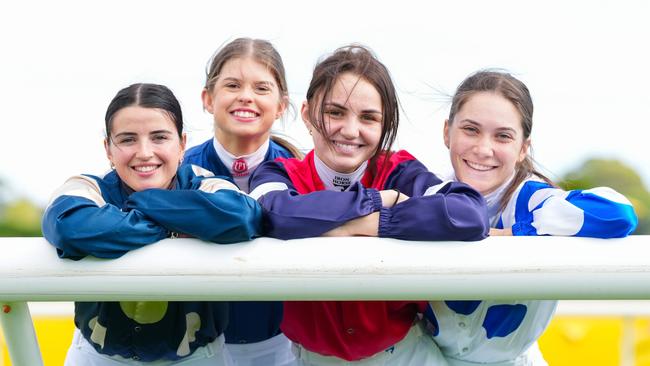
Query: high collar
x=335 y=181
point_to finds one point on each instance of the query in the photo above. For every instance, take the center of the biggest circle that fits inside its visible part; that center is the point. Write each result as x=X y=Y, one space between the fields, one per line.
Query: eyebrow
x=337 y=105
x=266 y=82
x=150 y=133
x=510 y=129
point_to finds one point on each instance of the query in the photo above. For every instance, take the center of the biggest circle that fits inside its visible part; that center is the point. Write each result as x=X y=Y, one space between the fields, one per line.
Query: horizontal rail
x=334 y=269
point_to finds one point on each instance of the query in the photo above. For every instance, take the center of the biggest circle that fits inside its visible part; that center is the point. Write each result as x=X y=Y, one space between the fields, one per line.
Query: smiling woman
x=488 y=134
x=246 y=92
x=488 y=141
x=144 y=147
x=353 y=184
x=145 y=198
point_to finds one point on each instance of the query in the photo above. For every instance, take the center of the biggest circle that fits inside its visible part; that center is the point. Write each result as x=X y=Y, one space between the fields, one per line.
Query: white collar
x=335 y=181
x=247 y=163
x=493 y=200
x=252 y=160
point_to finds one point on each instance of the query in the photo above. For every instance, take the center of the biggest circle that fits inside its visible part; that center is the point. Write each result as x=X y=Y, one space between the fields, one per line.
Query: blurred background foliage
x=21 y=217
x=18 y=215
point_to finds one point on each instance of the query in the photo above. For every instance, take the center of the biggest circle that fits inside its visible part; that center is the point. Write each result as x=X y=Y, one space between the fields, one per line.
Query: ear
x=524 y=150
x=183 y=142
x=107 y=147
x=206 y=97
x=445 y=133
x=282 y=107
x=304 y=113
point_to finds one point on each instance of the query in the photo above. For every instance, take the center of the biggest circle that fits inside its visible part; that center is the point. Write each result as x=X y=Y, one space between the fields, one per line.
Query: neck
x=336 y=181
x=238 y=145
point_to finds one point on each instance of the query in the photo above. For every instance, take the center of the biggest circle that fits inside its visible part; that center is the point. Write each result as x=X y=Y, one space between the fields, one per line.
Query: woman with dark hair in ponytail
x=488 y=136
x=147 y=196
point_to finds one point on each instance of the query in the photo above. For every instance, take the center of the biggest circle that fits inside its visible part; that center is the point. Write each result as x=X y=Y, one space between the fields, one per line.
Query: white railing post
x=19 y=334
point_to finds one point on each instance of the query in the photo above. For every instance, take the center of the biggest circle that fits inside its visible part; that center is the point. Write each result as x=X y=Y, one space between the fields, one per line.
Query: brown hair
x=360 y=61
x=261 y=51
x=517 y=93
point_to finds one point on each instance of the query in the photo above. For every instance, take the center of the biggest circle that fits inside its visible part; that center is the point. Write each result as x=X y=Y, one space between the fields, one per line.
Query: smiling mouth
x=145 y=168
x=479 y=167
x=245 y=114
x=343 y=147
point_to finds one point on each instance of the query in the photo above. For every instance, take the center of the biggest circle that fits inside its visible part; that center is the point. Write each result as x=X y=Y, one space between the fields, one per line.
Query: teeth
x=146 y=168
x=244 y=114
x=478 y=166
x=346 y=147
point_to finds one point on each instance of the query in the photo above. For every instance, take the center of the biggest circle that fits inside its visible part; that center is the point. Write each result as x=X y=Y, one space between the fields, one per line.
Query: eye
x=159 y=138
x=334 y=113
x=262 y=88
x=470 y=130
x=370 y=117
x=125 y=141
x=504 y=137
x=231 y=85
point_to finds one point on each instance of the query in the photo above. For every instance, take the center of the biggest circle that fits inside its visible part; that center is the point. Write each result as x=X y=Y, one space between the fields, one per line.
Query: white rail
x=320 y=269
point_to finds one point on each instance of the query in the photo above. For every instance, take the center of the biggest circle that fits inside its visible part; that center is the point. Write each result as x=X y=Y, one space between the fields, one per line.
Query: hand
x=363 y=226
x=391 y=197
x=500 y=232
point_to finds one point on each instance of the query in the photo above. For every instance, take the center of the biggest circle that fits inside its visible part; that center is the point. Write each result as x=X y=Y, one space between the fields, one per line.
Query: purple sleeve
x=291 y=215
x=454 y=212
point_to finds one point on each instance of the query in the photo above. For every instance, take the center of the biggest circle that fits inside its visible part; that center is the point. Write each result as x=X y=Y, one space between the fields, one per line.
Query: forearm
x=77 y=228
x=293 y=216
x=455 y=213
x=225 y=216
x=363 y=226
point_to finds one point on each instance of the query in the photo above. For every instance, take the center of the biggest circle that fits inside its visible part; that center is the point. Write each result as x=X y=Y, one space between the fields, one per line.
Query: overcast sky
x=586 y=64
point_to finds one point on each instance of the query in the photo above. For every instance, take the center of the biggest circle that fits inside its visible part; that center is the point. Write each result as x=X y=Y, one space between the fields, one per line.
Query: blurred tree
x=614 y=174
x=20 y=218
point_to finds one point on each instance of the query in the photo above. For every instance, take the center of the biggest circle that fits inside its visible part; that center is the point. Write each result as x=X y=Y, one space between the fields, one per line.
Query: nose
x=245 y=95
x=350 y=128
x=483 y=147
x=145 y=150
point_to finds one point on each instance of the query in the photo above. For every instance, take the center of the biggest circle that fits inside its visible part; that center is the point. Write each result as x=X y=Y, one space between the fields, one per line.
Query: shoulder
x=277 y=151
x=192 y=176
x=87 y=186
x=398 y=161
x=195 y=153
x=272 y=168
x=395 y=158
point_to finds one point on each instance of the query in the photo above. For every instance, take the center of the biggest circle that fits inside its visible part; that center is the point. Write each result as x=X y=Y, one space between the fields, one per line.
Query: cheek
x=513 y=159
x=374 y=135
x=119 y=156
x=456 y=145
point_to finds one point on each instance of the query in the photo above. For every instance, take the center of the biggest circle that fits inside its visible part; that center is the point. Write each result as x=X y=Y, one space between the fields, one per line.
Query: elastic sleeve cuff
x=376 y=199
x=385 y=215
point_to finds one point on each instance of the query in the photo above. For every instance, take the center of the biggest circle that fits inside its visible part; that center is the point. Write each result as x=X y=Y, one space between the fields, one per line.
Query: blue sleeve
x=291 y=215
x=78 y=227
x=436 y=210
x=225 y=216
x=600 y=212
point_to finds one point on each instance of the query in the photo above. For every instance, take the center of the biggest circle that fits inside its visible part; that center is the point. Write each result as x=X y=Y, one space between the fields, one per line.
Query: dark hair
x=517 y=93
x=146 y=96
x=360 y=61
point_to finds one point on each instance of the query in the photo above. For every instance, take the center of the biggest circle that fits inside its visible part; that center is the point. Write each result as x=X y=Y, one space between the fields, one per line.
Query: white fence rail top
x=334 y=269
